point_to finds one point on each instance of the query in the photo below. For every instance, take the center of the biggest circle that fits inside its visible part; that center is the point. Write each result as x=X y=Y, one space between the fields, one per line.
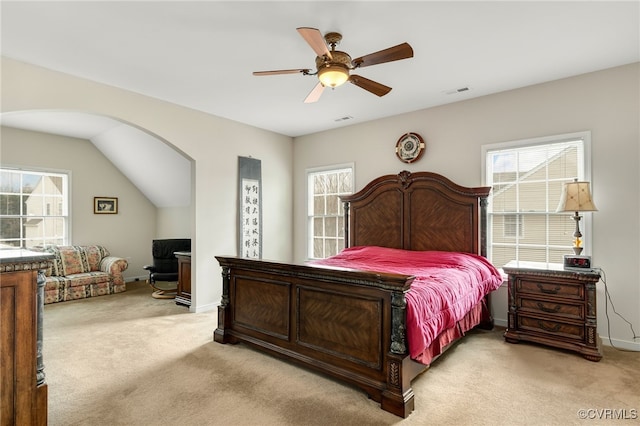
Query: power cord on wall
x=603 y=278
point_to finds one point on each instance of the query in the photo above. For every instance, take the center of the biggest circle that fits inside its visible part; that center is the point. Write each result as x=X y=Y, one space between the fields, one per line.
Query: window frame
x=67 y=218
x=584 y=173
x=309 y=201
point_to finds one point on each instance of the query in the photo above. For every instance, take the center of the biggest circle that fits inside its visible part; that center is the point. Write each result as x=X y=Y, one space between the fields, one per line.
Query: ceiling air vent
x=460 y=90
x=346 y=117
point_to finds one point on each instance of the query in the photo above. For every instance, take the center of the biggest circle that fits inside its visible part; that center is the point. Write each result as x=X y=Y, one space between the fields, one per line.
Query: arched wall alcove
x=211 y=144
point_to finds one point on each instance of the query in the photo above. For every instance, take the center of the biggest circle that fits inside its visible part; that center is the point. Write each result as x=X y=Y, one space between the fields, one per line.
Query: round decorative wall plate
x=410 y=147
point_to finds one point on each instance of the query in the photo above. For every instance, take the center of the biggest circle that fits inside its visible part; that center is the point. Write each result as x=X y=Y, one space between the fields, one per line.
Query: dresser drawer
x=551 y=328
x=543 y=307
x=548 y=288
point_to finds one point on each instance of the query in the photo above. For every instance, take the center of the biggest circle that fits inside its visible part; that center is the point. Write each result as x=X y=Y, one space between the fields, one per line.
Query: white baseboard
x=626 y=345
x=204 y=308
x=500 y=322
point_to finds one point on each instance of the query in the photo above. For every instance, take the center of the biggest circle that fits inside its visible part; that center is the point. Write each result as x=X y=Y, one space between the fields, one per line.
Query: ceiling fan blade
x=315 y=94
x=369 y=85
x=395 y=53
x=315 y=40
x=276 y=72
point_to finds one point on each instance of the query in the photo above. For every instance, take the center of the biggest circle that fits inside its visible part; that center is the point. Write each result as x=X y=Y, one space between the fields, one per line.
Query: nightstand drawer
x=563 y=310
x=555 y=288
x=552 y=328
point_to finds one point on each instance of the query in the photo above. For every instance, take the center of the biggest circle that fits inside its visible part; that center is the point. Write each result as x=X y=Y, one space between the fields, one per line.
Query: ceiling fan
x=333 y=66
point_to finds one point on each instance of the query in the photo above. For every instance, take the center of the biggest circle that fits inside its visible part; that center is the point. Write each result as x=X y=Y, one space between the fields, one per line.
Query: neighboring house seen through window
x=324 y=209
x=34 y=208
x=527 y=179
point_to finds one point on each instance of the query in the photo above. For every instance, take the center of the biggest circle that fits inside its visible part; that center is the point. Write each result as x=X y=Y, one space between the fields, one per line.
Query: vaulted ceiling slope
x=201 y=54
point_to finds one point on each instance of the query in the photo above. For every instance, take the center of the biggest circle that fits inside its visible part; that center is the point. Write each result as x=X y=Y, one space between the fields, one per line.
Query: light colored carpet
x=129 y=359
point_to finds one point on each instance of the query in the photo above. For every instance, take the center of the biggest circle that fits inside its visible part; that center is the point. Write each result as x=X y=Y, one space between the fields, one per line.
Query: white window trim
x=69 y=174
x=307 y=172
x=586 y=225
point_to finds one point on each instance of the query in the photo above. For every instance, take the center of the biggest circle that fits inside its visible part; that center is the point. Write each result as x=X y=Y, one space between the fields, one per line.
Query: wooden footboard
x=348 y=324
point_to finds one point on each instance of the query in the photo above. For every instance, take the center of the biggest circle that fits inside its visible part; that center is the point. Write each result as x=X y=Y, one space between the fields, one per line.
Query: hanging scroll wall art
x=250 y=207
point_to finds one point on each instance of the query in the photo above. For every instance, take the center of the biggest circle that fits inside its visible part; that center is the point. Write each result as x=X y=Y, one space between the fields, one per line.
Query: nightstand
x=553 y=306
x=183 y=294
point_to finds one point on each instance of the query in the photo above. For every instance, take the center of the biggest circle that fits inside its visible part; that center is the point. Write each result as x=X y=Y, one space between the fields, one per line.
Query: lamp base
x=577 y=250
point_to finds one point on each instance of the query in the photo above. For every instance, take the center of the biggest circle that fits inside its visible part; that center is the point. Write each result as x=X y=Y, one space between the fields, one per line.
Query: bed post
x=398 y=397
x=345 y=206
x=483 y=226
x=219 y=334
x=487 y=322
x=398 y=323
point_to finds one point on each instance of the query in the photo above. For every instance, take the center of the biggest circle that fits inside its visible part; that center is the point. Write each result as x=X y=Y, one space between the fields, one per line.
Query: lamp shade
x=576 y=197
x=333 y=75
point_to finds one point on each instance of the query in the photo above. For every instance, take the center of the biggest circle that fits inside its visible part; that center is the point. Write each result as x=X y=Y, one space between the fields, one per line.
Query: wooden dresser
x=553 y=306
x=23 y=395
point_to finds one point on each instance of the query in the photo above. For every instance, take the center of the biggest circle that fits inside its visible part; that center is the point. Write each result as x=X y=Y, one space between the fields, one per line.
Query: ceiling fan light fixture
x=334 y=66
x=333 y=75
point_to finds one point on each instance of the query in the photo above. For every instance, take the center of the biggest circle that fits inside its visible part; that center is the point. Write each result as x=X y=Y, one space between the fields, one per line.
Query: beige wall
x=213 y=143
x=173 y=222
x=126 y=234
x=605 y=103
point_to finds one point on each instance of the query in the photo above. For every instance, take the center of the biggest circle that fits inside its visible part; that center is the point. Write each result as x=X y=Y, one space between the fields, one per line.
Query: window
x=324 y=210
x=527 y=179
x=34 y=208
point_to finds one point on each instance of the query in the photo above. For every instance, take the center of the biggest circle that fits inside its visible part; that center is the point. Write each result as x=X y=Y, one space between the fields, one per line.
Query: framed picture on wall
x=105 y=205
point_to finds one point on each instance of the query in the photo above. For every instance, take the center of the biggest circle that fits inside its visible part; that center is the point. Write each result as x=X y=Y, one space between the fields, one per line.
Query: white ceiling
x=201 y=54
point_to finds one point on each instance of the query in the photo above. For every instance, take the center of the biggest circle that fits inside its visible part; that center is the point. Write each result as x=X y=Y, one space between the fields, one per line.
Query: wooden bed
x=347 y=323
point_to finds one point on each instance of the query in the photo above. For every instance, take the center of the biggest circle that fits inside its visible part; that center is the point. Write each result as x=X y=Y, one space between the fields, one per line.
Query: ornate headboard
x=417 y=211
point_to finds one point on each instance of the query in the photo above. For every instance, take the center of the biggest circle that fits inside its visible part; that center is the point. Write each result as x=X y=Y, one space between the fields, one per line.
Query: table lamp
x=576 y=197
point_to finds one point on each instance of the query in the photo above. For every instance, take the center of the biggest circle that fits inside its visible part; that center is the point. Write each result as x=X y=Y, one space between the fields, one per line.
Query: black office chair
x=163 y=274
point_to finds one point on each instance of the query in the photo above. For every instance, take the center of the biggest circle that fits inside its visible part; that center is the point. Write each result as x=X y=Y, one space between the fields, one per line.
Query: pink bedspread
x=446 y=287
